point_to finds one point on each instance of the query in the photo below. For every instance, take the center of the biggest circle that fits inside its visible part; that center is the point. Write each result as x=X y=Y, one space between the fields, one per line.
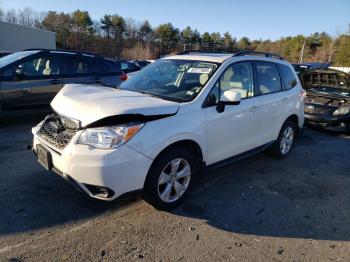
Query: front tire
x=285 y=141
x=170 y=178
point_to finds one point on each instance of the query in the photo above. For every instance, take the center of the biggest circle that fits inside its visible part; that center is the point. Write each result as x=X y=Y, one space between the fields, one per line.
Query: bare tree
x=335 y=37
x=1 y=14
x=11 y=16
x=301 y=58
x=26 y=17
x=132 y=28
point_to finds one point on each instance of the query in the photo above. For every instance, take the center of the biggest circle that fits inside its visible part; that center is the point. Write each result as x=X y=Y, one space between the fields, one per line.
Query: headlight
x=341 y=111
x=108 y=137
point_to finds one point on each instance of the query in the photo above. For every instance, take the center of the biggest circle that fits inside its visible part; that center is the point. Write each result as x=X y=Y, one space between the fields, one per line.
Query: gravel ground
x=258 y=209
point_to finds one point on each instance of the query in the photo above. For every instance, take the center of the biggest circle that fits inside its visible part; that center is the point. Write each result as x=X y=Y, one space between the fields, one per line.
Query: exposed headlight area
x=341 y=111
x=108 y=137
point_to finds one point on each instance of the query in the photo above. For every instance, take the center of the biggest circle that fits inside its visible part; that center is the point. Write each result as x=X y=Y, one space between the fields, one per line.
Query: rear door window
x=82 y=65
x=268 y=77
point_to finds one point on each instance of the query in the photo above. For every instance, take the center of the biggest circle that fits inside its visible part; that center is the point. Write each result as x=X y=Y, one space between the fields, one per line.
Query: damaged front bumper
x=101 y=174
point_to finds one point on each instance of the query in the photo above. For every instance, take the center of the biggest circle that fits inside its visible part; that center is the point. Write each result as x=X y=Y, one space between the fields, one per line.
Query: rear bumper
x=102 y=174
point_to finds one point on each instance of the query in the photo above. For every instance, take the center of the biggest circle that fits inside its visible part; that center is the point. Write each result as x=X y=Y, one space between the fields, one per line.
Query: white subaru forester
x=156 y=132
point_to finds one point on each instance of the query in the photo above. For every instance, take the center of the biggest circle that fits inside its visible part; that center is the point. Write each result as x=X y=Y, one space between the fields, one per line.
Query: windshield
x=332 y=91
x=175 y=80
x=6 y=60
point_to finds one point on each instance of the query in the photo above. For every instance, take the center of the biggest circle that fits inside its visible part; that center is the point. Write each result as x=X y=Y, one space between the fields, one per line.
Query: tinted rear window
x=88 y=65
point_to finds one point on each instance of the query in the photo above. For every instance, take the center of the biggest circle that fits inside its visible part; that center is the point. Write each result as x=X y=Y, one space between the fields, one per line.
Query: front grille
x=57 y=132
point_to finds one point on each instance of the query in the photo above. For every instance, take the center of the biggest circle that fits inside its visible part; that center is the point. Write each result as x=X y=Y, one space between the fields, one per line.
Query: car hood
x=91 y=103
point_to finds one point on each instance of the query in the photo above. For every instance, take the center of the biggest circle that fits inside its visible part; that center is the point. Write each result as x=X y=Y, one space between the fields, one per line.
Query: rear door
x=271 y=107
x=36 y=87
x=88 y=69
x=76 y=70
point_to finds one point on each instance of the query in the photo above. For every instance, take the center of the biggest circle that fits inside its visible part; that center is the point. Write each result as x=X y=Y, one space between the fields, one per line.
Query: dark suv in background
x=30 y=79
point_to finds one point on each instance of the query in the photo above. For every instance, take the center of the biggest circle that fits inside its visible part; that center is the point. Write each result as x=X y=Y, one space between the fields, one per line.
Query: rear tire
x=285 y=141
x=170 y=178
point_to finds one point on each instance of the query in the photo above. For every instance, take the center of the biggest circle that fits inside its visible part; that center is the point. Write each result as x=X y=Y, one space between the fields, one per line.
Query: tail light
x=123 y=77
x=303 y=94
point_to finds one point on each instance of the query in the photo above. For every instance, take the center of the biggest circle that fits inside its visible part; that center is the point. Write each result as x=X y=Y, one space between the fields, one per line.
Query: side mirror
x=19 y=73
x=229 y=97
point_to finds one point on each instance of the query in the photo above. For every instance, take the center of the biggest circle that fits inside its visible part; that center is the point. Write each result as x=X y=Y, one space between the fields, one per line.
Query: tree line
x=116 y=36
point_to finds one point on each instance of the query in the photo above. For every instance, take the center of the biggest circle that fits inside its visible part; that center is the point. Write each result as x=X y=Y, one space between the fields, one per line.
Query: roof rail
x=36 y=49
x=63 y=50
x=249 y=52
x=201 y=52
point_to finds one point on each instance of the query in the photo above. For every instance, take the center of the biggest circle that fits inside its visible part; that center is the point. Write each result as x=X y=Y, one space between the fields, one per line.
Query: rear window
x=289 y=79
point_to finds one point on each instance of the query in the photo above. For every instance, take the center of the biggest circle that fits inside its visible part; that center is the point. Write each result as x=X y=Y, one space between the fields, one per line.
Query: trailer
x=15 y=37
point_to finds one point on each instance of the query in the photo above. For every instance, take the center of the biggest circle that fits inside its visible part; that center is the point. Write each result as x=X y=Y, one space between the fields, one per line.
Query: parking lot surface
x=257 y=209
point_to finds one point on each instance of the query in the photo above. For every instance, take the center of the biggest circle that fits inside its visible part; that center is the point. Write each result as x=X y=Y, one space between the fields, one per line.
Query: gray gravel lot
x=258 y=209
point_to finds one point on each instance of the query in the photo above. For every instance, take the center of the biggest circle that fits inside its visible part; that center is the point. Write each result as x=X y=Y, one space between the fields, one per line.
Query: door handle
x=253 y=109
x=285 y=99
x=55 y=82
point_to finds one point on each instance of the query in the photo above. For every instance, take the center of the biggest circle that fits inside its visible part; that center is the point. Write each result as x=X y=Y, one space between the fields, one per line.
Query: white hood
x=89 y=103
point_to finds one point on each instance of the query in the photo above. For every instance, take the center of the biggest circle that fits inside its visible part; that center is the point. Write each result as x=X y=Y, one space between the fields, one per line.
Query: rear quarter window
x=113 y=66
x=288 y=77
x=95 y=66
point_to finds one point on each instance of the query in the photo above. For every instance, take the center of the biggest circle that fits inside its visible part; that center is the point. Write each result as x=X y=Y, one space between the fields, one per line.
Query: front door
x=35 y=87
x=232 y=131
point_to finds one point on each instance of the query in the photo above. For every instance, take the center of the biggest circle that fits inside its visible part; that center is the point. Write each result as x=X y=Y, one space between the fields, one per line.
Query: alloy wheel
x=174 y=180
x=287 y=140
